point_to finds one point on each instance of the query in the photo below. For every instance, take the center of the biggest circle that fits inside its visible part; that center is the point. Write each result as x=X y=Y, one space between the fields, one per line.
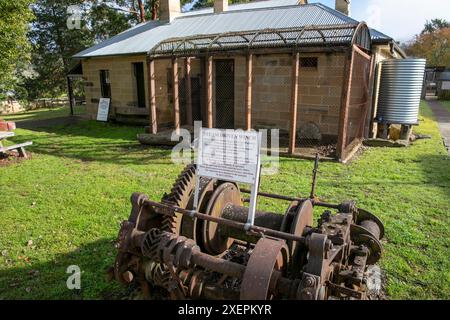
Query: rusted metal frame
x=361 y=52
x=184 y=42
x=278 y=283
x=248 y=102
x=170 y=210
x=152 y=95
x=367 y=96
x=243 y=34
x=294 y=101
x=176 y=96
x=187 y=81
x=209 y=88
x=291 y=199
x=312 y=48
x=345 y=105
x=358 y=32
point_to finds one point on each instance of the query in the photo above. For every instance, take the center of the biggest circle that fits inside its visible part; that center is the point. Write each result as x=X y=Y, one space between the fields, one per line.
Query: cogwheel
x=179 y=196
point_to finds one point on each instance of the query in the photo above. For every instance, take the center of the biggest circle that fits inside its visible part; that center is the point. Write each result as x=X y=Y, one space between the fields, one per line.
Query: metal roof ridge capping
x=143 y=38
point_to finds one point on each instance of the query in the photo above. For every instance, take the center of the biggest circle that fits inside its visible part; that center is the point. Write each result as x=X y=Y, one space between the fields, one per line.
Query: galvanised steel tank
x=400 y=91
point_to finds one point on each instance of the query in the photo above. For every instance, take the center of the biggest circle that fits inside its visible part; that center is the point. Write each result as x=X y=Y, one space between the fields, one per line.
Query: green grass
x=446 y=104
x=44 y=113
x=71 y=196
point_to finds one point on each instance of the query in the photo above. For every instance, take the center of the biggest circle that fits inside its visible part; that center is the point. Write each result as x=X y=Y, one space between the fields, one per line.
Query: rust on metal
x=209 y=253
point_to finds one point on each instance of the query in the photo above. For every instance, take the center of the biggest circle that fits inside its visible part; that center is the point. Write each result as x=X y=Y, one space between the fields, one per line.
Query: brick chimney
x=220 y=6
x=169 y=10
x=343 y=6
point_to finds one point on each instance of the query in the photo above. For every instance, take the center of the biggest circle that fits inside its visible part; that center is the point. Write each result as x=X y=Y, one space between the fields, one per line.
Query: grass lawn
x=446 y=104
x=71 y=196
x=45 y=113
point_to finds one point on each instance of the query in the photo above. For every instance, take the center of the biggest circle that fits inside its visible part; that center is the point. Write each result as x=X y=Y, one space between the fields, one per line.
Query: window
x=309 y=62
x=105 y=83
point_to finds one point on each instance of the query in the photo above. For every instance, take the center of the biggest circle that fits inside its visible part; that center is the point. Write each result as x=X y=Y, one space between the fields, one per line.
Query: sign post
x=103 y=109
x=230 y=155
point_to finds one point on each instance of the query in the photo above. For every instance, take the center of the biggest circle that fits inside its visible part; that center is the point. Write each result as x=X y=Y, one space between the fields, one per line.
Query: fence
x=356 y=107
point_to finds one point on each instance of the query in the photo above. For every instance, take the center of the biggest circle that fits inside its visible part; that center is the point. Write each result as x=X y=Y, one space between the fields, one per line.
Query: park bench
x=19 y=147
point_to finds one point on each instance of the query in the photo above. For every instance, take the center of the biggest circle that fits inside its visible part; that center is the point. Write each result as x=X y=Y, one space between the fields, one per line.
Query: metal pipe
x=255 y=230
x=288 y=198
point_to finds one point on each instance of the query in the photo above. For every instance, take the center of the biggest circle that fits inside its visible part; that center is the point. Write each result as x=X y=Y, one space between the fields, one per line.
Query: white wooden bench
x=19 y=147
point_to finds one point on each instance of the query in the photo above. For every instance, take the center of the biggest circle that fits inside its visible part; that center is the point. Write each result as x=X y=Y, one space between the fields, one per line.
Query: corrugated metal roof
x=142 y=38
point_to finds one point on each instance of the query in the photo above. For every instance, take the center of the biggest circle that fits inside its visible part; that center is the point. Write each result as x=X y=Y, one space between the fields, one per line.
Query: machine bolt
x=309 y=282
x=127 y=276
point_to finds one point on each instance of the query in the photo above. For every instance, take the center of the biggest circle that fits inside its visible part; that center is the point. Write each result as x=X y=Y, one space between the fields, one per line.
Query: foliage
x=435 y=25
x=435 y=47
x=70 y=198
x=209 y=3
x=432 y=44
x=14 y=47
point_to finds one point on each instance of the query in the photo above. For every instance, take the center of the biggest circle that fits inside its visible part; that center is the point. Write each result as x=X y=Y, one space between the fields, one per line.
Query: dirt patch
x=12 y=157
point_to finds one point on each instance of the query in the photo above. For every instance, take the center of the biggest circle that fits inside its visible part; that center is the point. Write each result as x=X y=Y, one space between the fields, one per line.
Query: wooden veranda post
x=248 y=117
x=176 y=97
x=188 y=90
x=209 y=80
x=70 y=92
x=345 y=105
x=152 y=95
x=294 y=102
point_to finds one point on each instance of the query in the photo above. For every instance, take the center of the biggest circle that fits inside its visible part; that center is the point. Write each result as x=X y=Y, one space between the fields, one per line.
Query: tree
x=63 y=28
x=209 y=3
x=14 y=47
x=432 y=44
x=435 y=25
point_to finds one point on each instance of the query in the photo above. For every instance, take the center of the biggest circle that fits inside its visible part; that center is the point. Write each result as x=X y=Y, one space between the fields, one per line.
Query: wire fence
x=320 y=97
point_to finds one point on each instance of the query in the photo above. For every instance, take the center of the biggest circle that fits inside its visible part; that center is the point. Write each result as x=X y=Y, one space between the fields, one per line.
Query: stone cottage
x=306 y=69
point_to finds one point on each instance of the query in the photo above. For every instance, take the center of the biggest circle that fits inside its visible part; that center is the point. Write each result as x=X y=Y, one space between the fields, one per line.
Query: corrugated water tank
x=400 y=91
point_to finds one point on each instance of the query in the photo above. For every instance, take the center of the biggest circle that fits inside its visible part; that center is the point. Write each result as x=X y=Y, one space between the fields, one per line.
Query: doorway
x=224 y=93
x=140 y=83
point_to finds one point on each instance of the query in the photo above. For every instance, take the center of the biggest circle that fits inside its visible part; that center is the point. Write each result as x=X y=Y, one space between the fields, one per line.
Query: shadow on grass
x=436 y=169
x=94 y=141
x=48 y=280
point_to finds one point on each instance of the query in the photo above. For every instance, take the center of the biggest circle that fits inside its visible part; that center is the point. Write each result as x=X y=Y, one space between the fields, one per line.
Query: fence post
x=294 y=102
x=209 y=80
x=152 y=95
x=249 y=91
x=176 y=96
x=188 y=91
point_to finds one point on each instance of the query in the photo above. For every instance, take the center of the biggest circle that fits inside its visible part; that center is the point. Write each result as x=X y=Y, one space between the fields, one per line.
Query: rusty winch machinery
x=210 y=253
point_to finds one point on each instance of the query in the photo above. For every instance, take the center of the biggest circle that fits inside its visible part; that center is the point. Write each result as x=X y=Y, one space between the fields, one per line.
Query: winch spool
x=212 y=256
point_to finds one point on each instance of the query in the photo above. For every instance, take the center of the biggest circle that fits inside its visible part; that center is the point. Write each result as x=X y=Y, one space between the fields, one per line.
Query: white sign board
x=103 y=109
x=445 y=85
x=230 y=155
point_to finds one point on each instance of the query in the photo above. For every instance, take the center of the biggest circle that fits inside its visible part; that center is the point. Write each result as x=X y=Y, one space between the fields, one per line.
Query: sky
x=400 y=19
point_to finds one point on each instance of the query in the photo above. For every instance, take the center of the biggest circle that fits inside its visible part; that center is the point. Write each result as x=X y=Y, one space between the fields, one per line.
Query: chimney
x=302 y=2
x=169 y=10
x=343 y=6
x=220 y=6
